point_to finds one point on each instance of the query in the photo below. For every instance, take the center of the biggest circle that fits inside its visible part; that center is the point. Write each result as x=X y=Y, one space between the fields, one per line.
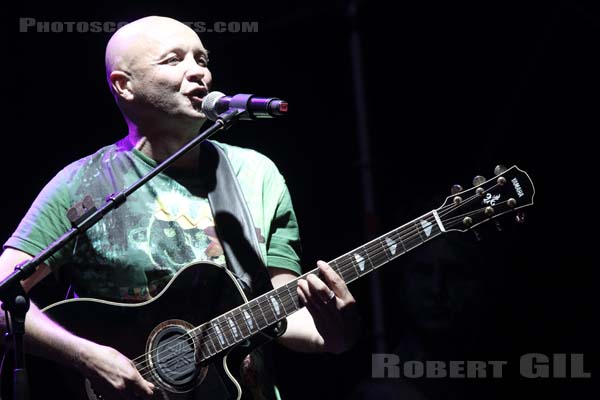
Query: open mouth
x=196 y=100
x=197 y=94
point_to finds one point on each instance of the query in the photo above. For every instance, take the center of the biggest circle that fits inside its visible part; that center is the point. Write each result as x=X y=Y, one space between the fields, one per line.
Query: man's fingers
x=147 y=390
x=317 y=286
x=301 y=291
x=333 y=280
x=314 y=299
x=147 y=387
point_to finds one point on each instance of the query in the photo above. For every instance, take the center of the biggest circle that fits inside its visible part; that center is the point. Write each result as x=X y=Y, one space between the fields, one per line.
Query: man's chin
x=192 y=113
x=198 y=118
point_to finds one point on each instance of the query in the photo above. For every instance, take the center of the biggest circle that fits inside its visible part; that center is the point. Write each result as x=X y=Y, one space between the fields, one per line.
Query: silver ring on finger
x=331 y=296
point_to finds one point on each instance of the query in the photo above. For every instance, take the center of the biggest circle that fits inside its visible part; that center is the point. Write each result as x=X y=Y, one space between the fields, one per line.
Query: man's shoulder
x=89 y=163
x=92 y=161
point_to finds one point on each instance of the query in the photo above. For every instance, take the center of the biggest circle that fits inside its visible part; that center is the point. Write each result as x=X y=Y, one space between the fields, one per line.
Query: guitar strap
x=237 y=234
x=233 y=222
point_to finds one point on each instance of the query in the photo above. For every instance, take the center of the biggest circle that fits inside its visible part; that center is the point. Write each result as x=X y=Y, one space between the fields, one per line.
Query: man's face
x=169 y=73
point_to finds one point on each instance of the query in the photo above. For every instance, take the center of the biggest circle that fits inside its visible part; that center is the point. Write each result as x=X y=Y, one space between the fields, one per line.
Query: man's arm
x=327 y=323
x=109 y=369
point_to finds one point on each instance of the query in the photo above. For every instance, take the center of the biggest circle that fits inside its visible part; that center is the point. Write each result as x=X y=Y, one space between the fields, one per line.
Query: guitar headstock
x=509 y=191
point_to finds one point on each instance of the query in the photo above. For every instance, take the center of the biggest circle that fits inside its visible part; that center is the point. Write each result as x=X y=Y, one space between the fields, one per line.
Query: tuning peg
x=456 y=189
x=499 y=169
x=520 y=217
x=478 y=180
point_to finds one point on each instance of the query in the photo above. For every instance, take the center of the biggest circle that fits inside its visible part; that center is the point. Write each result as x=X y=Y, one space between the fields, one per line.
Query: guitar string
x=344 y=267
x=286 y=298
x=286 y=302
x=257 y=304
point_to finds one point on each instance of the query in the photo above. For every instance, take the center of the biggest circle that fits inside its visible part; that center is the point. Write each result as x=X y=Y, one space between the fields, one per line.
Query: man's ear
x=121 y=84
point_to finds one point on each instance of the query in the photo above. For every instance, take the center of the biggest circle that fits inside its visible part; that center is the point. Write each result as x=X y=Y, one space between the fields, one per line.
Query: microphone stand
x=15 y=302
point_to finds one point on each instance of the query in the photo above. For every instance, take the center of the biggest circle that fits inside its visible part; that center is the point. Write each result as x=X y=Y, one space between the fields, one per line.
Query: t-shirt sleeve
x=284 y=248
x=45 y=221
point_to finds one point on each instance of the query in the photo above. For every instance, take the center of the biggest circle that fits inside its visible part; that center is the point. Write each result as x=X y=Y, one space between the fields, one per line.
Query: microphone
x=253 y=107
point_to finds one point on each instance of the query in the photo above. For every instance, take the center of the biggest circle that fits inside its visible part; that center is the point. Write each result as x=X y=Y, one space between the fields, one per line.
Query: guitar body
x=198 y=293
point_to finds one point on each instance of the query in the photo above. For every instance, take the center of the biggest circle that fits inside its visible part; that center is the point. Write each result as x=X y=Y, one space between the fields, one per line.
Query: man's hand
x=333 y=308
x=112 y=374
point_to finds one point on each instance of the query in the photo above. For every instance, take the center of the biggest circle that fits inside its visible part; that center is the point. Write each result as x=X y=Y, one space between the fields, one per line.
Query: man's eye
x=203 y=62
x=172 y=60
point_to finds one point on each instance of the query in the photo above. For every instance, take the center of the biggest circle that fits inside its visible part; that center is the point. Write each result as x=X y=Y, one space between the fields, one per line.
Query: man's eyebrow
x=203 y=52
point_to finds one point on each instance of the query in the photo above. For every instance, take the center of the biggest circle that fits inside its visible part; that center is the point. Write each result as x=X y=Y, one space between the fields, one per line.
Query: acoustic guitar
x=190 y=339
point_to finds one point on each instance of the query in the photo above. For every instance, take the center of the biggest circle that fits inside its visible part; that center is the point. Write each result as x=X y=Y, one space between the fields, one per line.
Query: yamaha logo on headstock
x=517 y=187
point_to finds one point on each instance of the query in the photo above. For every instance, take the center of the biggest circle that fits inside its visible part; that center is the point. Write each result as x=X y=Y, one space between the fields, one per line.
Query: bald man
x=157 y=70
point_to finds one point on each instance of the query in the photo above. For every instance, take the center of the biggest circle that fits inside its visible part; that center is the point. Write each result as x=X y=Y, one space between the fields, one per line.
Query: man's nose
x=195 y=72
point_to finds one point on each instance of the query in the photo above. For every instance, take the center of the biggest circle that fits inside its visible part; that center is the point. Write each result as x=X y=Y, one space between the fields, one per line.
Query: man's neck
x=159 y=144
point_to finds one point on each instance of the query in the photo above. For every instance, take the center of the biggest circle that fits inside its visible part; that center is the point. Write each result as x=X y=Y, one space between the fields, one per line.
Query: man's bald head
x=134 y=39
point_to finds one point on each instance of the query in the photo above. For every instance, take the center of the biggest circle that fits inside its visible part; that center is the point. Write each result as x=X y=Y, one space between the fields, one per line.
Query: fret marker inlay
x=248 y=319
x=427 y=226
x=360 y=261
x=220 y=335
x=233 y=327
x=392 y=245
x=275 y=305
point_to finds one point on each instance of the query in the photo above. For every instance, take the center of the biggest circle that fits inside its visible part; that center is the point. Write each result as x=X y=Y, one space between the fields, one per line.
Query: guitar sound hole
x=173 y=355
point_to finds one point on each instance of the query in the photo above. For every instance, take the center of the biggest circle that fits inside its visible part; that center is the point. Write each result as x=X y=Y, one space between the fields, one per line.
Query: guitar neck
x=250 y=318
x=364 y=259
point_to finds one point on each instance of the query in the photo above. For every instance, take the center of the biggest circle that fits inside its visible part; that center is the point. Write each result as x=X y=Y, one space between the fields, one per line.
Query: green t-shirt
x=136 y=249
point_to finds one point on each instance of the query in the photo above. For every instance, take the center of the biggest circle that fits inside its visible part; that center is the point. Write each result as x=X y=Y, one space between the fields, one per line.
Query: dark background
x=451 y=90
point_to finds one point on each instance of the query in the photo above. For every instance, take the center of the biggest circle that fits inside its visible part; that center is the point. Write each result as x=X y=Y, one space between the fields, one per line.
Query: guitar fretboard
x=250 y=318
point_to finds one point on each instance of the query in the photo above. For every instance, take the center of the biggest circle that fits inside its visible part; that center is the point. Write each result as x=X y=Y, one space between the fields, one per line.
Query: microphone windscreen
x=209 y=105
